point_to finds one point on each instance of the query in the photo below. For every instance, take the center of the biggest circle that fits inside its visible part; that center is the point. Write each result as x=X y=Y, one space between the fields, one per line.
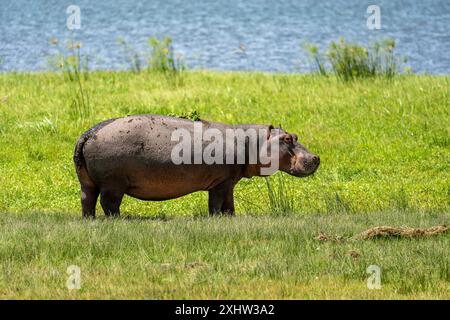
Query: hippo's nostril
x=316 y=160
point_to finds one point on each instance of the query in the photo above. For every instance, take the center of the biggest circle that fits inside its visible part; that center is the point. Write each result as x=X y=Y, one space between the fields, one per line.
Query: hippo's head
x=294 y=158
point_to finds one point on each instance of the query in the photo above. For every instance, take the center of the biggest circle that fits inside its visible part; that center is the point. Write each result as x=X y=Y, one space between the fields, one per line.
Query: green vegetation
x=70 y=60
x=163 y=58
x=132 y=55
x=280 y=196
x=349 y=61
x=191 y=115
x=244 y=257
x=75 y=68
x=383 y=144
x=384 y=147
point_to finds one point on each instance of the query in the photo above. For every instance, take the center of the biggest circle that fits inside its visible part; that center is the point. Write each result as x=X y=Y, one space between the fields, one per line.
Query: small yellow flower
x=74 y=45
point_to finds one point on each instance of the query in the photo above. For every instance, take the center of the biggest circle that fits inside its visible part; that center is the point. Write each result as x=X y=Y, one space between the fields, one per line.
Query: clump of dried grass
x=406 y=232
x=388 y=232
x=323 y=237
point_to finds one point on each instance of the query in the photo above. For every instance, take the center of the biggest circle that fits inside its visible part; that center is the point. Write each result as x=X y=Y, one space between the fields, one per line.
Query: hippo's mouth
x=301 y=173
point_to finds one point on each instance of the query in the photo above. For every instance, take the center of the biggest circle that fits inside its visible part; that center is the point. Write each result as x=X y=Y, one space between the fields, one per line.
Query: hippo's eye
x=288 y=139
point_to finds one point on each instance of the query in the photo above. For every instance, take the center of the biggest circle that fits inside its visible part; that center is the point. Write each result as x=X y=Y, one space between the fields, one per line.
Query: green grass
x=245 y=257
x=384 y=148
x=383 y=144
x=349 y=61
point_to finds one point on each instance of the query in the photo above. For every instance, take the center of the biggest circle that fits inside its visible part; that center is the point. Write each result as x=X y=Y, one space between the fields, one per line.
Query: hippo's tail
x=80 y=163
x=78 y=157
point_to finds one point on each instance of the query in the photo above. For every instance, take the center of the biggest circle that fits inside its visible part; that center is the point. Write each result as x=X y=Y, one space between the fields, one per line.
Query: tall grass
x=317 y=58
x=163 y=58
x=81 y=109
x=281 y=197
x=70 y=60
x=132 y=56
x=350 y=61
x=75 y=68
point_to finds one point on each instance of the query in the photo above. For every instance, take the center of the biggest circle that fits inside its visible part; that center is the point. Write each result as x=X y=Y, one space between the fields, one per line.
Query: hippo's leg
x=89 y=196
x=228 y=203
x=110 y=200
x=221 y=198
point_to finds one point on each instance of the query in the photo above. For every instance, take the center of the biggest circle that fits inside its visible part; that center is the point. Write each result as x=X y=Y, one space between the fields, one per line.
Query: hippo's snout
x=305 y=165
x=312 y=164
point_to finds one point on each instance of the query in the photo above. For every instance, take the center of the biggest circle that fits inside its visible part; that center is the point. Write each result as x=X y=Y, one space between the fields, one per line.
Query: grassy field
x=384 y=148
x=265 y=257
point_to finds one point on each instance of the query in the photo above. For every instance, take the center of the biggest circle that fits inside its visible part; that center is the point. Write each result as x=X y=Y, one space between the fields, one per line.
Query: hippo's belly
x=171 y=182
x=142 y=178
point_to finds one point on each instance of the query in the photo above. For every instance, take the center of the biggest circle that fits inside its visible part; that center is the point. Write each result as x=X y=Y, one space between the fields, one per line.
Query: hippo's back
x=143 y=137
x=135 y=152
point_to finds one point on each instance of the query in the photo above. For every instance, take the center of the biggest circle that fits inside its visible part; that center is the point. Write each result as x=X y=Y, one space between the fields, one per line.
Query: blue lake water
x=223 y=34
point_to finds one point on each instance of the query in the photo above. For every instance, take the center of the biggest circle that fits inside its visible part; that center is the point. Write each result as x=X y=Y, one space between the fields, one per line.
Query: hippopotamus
x=141 y=156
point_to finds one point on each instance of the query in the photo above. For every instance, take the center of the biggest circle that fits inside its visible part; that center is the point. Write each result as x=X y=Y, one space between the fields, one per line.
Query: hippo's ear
x=269 y=131
x=294 y=136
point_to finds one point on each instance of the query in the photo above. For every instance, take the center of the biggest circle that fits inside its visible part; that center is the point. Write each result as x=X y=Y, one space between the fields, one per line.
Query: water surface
x=223 y=34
